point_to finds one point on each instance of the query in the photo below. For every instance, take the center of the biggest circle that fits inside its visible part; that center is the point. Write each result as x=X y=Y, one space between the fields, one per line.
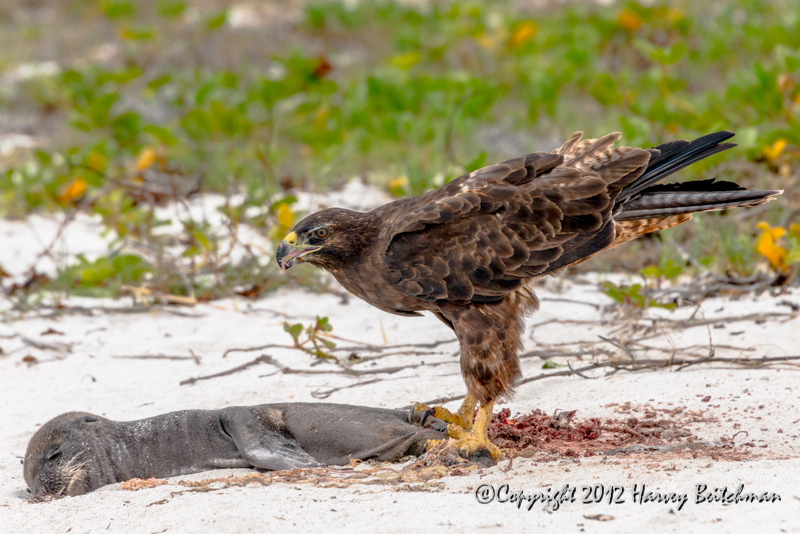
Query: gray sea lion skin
x=77 y=452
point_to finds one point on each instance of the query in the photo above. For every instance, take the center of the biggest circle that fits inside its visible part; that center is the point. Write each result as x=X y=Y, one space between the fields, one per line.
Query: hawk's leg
x=477 y=437
x=462 y=417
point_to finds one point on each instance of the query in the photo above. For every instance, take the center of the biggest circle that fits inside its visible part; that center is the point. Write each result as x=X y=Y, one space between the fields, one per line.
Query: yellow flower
x=284 y=219
x=146 y=159
x=73 y=190
x=285 y=216
x=397 y=183
x=629 y=20
x=523 y=33
x=772 y=152
x=766 y=246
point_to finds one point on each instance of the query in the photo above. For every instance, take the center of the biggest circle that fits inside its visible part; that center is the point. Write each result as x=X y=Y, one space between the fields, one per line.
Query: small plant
x=103 y=276
x=669 y=270
x=631 y=295
x=313 y=335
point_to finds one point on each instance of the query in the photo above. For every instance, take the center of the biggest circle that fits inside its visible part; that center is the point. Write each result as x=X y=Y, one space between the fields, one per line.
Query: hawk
x=467 y=251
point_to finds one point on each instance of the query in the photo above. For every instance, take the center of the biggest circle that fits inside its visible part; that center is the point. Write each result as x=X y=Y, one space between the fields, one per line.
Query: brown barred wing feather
x=482 y=236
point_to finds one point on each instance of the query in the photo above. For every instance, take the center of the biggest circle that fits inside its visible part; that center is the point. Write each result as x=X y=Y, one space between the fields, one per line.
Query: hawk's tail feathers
x=691 y=197
x=671 y=157
x=644 y=198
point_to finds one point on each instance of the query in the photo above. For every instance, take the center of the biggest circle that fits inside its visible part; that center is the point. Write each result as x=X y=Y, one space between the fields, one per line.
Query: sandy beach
x=106 y=358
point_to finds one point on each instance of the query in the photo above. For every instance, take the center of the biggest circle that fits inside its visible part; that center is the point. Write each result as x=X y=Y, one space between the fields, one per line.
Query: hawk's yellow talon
x=420 y=407
x=462 y=418
x=477 y=437
x=449 y=417
x=455 y=431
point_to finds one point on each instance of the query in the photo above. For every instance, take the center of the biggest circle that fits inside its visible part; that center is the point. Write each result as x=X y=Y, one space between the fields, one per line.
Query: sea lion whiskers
x=74 y=471
x=76 y=477
x=60 y=481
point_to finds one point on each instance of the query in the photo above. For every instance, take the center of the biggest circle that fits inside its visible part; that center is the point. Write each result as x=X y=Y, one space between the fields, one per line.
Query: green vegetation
x=313 y=335
x=632 y=295
x=163 y=99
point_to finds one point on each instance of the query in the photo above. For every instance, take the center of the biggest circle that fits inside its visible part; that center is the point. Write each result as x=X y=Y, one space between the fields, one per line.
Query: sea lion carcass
x=76 y=452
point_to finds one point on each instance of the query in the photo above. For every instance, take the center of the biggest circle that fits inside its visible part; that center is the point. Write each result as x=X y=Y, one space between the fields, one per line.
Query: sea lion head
x=56 y=460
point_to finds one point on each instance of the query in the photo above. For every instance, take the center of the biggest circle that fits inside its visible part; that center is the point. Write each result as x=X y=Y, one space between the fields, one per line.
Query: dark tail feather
x=674 y=156
x=644 y=199
x=690 y=197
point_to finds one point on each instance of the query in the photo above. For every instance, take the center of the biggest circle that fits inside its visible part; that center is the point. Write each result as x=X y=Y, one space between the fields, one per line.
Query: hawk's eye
x=321 y=233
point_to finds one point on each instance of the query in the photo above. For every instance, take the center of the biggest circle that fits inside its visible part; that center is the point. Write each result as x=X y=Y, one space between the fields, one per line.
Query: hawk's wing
x=482 y=235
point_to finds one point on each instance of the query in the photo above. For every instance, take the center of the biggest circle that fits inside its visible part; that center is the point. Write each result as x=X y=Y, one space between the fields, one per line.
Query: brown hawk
x=467 y=251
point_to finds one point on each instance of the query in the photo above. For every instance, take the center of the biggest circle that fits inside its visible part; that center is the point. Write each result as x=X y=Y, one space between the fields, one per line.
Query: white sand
x=88 y=377
x=82 y=371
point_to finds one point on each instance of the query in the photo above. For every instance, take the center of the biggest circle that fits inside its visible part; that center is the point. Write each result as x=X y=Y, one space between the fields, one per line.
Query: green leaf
x=171 y=9
x=613 y=291
x=201 y=238
x=216 y=21
x=137 y=34
x=477 y=163
x=115 y=9
x=191 y=251
x=162 y=134
x=99 y=108
x=202 y=92
x=651 y=272
x=793 y=256
x=671 y=269
x=196 y=124
x=294 y=330
x=126 y=128
x=159 y=82
x=605 y=90
x=130 y=268
x=43 y=157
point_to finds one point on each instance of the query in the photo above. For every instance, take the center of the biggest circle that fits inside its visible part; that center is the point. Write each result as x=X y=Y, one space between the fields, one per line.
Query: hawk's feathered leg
x=490 y=336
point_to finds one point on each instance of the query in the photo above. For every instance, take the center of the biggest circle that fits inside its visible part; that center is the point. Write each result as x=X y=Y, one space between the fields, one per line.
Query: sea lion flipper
x=265 y=444
x=279 y=459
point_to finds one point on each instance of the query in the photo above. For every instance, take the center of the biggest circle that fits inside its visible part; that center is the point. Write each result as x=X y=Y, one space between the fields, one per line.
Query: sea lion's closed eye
x=54 y=453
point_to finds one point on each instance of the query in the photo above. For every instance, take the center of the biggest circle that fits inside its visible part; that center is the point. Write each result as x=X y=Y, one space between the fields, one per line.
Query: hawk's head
x=330 y=239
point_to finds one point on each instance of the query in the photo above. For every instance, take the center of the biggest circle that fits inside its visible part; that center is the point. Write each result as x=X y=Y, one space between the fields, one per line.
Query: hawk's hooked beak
x=290 y=252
